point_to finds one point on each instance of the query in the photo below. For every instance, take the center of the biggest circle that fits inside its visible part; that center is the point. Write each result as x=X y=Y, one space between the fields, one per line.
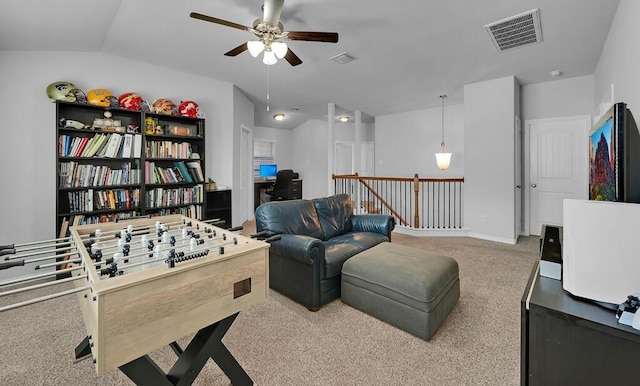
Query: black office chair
x=283 y=187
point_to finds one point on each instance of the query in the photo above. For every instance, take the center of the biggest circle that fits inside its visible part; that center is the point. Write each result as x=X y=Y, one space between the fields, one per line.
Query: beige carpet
x=279 y=342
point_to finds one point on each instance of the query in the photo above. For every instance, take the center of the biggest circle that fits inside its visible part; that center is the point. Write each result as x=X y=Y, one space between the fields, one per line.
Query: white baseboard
x=503 y=240
x=431 y=232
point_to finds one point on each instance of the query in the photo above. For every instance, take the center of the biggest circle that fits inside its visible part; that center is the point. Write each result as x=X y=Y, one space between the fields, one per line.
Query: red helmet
x=130 y=101
x=189 y=109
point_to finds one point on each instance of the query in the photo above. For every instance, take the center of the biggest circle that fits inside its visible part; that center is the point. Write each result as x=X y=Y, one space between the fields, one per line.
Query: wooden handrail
x=384 y=202
x=400 y=179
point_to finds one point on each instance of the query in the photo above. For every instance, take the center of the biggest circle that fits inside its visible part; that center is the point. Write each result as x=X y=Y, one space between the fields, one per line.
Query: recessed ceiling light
x=343 y=118
x=278 y=117
x=556 y=73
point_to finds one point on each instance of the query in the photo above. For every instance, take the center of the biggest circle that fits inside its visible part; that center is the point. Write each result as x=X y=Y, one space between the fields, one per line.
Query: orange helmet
x=163 y=106
x=189 y=109
x=100 y=97
x=130 y=101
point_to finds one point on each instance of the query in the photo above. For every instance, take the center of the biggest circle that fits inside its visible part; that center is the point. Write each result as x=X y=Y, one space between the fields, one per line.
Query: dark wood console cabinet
x=568 y=341
x=218 y=206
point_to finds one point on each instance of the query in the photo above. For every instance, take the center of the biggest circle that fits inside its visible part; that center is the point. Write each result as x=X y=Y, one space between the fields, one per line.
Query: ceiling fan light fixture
x=269 y=58
x=255 y=47
x=280 y=49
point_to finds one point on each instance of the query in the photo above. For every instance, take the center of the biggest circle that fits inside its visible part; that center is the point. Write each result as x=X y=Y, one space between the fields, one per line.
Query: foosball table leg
x=207 y=343
x=83 y=349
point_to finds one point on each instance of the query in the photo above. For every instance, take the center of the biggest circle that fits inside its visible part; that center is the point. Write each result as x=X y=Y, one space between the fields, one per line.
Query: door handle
x=533 y=185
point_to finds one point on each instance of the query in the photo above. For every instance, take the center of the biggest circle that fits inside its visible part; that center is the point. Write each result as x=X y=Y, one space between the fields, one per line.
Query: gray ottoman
x=408 y=288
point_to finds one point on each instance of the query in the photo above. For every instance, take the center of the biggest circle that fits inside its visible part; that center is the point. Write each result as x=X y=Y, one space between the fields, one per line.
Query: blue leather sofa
x=316 y=237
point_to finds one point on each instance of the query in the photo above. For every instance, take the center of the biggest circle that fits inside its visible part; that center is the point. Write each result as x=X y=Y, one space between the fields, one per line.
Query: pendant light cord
x=268 y=88
x=442 y=143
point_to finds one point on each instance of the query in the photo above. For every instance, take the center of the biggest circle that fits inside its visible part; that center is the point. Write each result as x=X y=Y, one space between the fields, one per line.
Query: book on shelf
x=113 y=145
x=127 y=145
x=137 y=146
x=183 y=171
x=195 y=166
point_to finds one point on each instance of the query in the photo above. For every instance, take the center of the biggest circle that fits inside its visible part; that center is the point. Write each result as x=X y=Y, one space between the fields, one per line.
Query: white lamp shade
x=279 y=48
x=255 y=47
x=269 y=58
x=443 y=160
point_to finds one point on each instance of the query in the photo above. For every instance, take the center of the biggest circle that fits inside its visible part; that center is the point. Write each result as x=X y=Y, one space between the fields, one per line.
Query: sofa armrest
x=377 y=223
x=305 y=249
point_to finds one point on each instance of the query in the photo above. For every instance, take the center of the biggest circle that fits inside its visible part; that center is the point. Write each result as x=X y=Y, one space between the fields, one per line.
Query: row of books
x=180 y=171
x=73 y=174
x=90 y=200
x=104 y=145
x=161 y=197
x=193 y=211
x=168 y=149
x=81 y=219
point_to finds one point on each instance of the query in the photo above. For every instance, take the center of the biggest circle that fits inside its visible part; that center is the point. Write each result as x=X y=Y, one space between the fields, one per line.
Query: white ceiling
x=410 y=51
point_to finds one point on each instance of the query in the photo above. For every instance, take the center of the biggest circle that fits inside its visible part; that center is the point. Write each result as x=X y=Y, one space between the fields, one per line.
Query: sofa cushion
x=290 y=217
x=334 y=213
x=363 y=240
x=336 y=252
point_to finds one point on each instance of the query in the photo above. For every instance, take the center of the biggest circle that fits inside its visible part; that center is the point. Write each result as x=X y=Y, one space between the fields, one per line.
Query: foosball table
x=145 y=283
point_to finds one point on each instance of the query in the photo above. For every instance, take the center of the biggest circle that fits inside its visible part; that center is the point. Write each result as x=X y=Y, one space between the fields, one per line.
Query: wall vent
x=516 y=31
x=343 y=58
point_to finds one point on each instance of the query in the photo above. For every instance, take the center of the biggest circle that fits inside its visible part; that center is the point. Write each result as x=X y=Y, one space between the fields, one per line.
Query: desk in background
x=260 y=185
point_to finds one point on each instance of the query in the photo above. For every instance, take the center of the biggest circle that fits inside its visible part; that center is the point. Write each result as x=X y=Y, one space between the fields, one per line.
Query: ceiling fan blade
x=238 y=50
x=328 y=37
x=272 y=10
x=210 y=19
x=292 y=58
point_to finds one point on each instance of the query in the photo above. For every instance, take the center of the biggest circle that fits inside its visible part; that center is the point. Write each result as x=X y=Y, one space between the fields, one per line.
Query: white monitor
x=601 y=250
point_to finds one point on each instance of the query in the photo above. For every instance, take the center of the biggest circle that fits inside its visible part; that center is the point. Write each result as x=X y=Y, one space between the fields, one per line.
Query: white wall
x=620 y=57
x=27 y=203
x=489 y=188
x=406 y=143
x=282 y=138
x=309 y=157
x=558 y=98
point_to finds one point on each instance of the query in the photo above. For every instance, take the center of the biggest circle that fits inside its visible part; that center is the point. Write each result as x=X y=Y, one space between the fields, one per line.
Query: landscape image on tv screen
x=602 y=179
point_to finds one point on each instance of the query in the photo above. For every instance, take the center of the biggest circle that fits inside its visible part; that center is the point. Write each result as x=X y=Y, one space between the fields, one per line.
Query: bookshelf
x=219 y=206
x=126 y=164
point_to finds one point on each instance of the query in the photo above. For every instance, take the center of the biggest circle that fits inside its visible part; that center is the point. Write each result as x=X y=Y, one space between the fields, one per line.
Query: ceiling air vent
x=343 y=58
x=516 y=31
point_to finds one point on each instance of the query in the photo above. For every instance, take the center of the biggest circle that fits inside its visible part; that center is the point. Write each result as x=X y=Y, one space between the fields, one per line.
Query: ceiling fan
x=270 y=33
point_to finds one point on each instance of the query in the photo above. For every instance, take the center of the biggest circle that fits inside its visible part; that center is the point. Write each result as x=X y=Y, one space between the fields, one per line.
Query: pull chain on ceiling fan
x=270 y=33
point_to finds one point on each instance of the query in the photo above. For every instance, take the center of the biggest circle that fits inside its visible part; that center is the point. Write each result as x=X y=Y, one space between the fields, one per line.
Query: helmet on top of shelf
x=163 y=106
x=65 y=91
x=130 y=101
x=189 y=109
x=101 y=97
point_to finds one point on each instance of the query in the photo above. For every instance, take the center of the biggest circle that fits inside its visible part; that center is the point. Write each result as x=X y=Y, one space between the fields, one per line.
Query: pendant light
x=443 y=158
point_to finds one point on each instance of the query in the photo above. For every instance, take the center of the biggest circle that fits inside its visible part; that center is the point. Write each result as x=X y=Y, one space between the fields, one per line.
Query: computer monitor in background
x=268 y=170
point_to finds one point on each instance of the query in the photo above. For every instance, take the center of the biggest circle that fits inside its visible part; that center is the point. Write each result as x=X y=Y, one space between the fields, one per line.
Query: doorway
x=557 y=168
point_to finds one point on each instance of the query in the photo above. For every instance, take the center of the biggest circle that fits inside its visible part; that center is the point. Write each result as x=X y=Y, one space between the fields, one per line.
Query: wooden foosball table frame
x=131 y=315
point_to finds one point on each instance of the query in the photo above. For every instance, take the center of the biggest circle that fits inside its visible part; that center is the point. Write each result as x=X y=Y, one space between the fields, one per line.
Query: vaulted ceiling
x=409 y=51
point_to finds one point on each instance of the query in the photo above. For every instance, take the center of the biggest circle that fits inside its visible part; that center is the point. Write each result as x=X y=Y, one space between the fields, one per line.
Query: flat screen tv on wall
x=614 y=157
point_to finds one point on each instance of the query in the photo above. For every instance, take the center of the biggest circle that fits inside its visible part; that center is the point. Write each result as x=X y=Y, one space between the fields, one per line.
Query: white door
x=558 y=163
x=366 y=159
x=246 y=173
x=344 y=158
